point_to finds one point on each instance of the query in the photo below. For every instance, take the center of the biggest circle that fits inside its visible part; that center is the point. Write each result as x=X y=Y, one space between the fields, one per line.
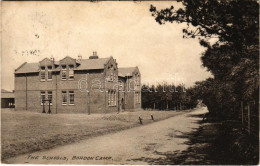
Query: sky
x=32 y=31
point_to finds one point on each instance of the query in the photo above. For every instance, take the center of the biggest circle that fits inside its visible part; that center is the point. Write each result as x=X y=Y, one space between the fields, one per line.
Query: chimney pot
x=94 y=56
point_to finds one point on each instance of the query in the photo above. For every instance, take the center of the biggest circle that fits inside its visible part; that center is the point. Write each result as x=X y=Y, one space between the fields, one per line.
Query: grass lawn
x=24 y=132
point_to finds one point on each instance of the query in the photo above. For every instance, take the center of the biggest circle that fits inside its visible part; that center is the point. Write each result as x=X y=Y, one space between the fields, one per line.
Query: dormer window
x=42 y=73
x=49 y=72
x=63 y=72
x=71 y=72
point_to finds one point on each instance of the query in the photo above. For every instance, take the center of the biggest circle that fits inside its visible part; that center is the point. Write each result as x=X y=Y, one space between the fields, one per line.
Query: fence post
x=248 y=118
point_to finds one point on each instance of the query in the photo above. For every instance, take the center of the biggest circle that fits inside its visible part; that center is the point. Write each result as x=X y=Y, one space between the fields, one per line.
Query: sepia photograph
x=130 y=82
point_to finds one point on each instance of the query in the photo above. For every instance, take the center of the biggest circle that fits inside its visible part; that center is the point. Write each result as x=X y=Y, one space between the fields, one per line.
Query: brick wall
x=30 y=98
x=28 y=88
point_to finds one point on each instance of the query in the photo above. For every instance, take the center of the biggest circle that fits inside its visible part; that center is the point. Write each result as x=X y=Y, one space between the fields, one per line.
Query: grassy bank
x=24 y=132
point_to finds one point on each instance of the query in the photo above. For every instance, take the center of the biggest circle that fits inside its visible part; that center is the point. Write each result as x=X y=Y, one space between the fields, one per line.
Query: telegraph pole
x=88 y=91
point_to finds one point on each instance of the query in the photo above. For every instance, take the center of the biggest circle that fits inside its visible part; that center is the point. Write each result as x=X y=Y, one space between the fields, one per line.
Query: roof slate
x=126 y=71
x=28 y=68
x=90 y=64
x=85 y=64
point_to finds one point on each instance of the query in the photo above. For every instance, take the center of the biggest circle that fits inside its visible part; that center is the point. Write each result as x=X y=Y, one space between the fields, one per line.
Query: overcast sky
x=124 y=30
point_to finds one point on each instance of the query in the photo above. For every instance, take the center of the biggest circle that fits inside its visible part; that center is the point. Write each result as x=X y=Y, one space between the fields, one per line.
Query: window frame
x=115 y=99
x=42 y=93
x=49 y=70
x=71 y=92
x=66 y=97
x=112 y=98
x=49 y=93
x=41 y=74
x=71 y=69
x=109 y=98
x=63 y=71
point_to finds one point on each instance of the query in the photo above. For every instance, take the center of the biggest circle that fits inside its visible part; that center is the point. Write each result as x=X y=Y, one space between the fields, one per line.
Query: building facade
x=130 y=87
x=7 y=99
x=75 y=86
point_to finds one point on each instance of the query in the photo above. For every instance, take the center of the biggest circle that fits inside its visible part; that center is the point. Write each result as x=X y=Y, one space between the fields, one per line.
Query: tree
x=229 y=20
x=233 y=59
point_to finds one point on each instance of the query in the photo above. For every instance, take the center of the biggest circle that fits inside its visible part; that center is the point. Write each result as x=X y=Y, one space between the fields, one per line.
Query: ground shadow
x=212 y=143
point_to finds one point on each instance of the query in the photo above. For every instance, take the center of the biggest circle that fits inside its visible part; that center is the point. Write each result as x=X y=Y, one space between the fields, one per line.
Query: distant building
x=7 y=99
x=64 y=85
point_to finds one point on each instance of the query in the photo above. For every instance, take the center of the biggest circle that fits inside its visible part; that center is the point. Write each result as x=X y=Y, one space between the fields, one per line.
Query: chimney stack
x=94 y=56
x=52 y=59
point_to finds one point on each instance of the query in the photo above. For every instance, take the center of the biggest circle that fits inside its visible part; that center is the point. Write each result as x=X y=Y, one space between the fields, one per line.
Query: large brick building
x=94 y=85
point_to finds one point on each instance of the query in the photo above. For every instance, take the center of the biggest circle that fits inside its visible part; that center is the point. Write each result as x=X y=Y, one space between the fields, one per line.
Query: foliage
x=233 y=59
x=168 y=97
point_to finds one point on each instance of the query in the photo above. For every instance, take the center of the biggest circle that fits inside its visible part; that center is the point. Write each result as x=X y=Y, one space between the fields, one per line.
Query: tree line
x=168 y=97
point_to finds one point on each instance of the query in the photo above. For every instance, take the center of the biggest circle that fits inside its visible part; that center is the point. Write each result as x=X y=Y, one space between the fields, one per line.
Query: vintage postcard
x=130 y=82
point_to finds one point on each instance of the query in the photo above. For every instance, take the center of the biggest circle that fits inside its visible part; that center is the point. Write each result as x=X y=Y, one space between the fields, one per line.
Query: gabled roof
x=28 y=68
x=126 y=71
x=90 y=64
x=84 y=64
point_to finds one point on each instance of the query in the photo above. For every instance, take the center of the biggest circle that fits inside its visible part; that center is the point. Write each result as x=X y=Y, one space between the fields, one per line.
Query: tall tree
x=234 y=58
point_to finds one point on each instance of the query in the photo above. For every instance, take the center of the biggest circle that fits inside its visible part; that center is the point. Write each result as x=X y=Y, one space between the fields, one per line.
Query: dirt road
x=125 y=147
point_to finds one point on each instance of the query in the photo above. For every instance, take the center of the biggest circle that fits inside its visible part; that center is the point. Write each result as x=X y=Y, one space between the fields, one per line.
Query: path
x=121 y=147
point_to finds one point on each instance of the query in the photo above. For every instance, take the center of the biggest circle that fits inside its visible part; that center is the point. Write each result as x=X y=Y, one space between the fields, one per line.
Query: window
x=50 y=97
x=49 y=73
x=42 y=97
x=112 y=98
x=64 y=98
x=71 y=97
x=109 y=98
x=42 y=73
x=71 y=72
x=63 y=74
